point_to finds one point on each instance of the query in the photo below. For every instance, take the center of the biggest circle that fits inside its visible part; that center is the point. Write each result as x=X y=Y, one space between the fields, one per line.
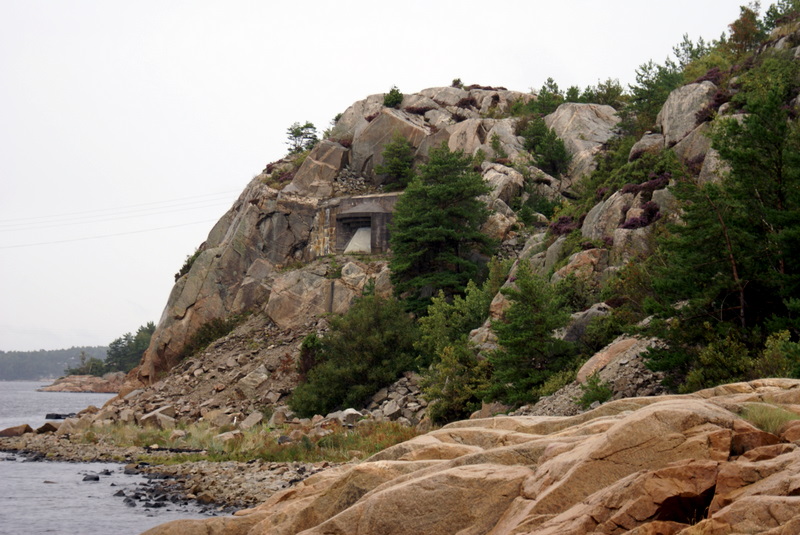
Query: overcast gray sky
x=128 y=128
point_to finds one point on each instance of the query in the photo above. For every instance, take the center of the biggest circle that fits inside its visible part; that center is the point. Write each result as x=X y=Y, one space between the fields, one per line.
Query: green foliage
x=210 y=332
x=614 y=172
x=309 y=355
x=435 y=229
x=725 y=360
x=497 y=148
x=594 y=390
x=301 y=137
x=453 y=377
x=43 y=364
x=548 y=150
x=610 y=92
x=125 y=352
x=687 y=51
x=780 y=12
x=653 y=85
x=780 y=357
x=449 y=321
x=549 y=98
x=733 y=257
x=88 y=366
x=529 y=352
x=365 y=349
x=398 y=159
x=453 y=384
x=393 y=98
x=187 y=264
x=556 y=382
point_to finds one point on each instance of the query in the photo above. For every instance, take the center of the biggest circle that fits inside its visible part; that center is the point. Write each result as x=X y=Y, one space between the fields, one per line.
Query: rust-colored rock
x=16 y=431
x=657 y=465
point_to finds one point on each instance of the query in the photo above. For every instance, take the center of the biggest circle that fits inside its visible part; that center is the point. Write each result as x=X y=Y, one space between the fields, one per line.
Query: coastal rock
x=107 y=384
x=16 y=431
x=642 y=465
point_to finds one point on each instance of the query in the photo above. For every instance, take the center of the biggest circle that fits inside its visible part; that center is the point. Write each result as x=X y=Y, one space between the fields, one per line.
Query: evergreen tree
x=398 y=157
x=435 y=229
x=301 y=137
x=365 y=349
x=734 y=255
x=126 y=352
x=529 y=353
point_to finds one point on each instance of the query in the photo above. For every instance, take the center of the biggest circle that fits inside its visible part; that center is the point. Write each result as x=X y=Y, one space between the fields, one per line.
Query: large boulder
x=368 y=143
x=299 y=297
x=606 y=216
x=678 y=115
x=584 y=128
x=506 y=182
x=316 y=174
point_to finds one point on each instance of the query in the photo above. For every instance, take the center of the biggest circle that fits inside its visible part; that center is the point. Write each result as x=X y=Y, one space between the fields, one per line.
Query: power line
x=100 y=218
x=105 y=235
x=124 y=208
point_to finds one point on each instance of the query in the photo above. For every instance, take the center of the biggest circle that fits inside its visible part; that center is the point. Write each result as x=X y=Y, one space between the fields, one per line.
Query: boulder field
x=680 y=464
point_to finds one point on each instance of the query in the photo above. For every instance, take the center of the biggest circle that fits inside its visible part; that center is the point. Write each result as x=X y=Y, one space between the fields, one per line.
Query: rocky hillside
x=686 y=465
x=278 y=253
x=246 y=262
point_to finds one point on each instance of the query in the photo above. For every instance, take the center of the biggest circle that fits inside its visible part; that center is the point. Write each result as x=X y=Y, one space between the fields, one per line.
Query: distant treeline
x=34 y=365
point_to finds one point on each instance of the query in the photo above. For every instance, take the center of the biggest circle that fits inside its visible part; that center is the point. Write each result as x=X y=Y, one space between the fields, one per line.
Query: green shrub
x=780 y=357
x=529 y=353
x=365 y=349
x=209 y=332
x=398 y=160
x=453 y=384
x=187 y=264
x=497 y=148
x=556 y=382
x=594 y=390
x=393 y=98
x=548 y=150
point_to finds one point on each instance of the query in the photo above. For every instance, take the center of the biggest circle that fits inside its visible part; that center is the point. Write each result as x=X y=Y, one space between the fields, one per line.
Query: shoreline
x=222 y=486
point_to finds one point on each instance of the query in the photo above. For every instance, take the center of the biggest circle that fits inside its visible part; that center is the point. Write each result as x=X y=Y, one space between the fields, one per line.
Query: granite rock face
x=667 y=464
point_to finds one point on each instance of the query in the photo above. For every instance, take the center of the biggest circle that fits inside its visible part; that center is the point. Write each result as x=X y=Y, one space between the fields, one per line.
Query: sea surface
x=53 y=497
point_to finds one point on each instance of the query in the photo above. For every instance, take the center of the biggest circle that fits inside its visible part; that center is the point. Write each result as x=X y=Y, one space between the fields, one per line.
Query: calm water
x=20 y=403
x=52 y=497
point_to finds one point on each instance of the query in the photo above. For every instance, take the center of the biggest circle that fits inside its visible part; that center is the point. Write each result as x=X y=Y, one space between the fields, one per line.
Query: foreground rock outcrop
x=666 y=464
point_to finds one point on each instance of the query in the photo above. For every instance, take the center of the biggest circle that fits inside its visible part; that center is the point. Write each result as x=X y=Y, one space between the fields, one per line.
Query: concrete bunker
x=363 y=228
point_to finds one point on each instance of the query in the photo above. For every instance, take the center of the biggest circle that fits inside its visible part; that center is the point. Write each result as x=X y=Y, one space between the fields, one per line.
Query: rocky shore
x=221 y=486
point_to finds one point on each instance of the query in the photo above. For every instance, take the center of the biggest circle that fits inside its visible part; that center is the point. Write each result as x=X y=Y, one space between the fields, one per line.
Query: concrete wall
x=324 y=240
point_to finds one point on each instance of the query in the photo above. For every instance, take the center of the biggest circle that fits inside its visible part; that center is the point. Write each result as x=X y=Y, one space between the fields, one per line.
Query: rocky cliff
x=290 y=214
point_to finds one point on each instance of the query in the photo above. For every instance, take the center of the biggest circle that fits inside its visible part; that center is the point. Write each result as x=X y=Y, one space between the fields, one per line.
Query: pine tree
x=435 y=229
x=398 y=157
x=734 y=255
x=529 y=353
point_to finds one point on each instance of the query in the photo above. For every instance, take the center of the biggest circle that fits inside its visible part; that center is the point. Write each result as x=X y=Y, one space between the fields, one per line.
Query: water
x=52 y=497
x=20 y=403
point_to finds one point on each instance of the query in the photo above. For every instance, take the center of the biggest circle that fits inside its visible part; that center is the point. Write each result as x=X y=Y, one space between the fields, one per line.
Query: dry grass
x=769 y=418
x=202 y=442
